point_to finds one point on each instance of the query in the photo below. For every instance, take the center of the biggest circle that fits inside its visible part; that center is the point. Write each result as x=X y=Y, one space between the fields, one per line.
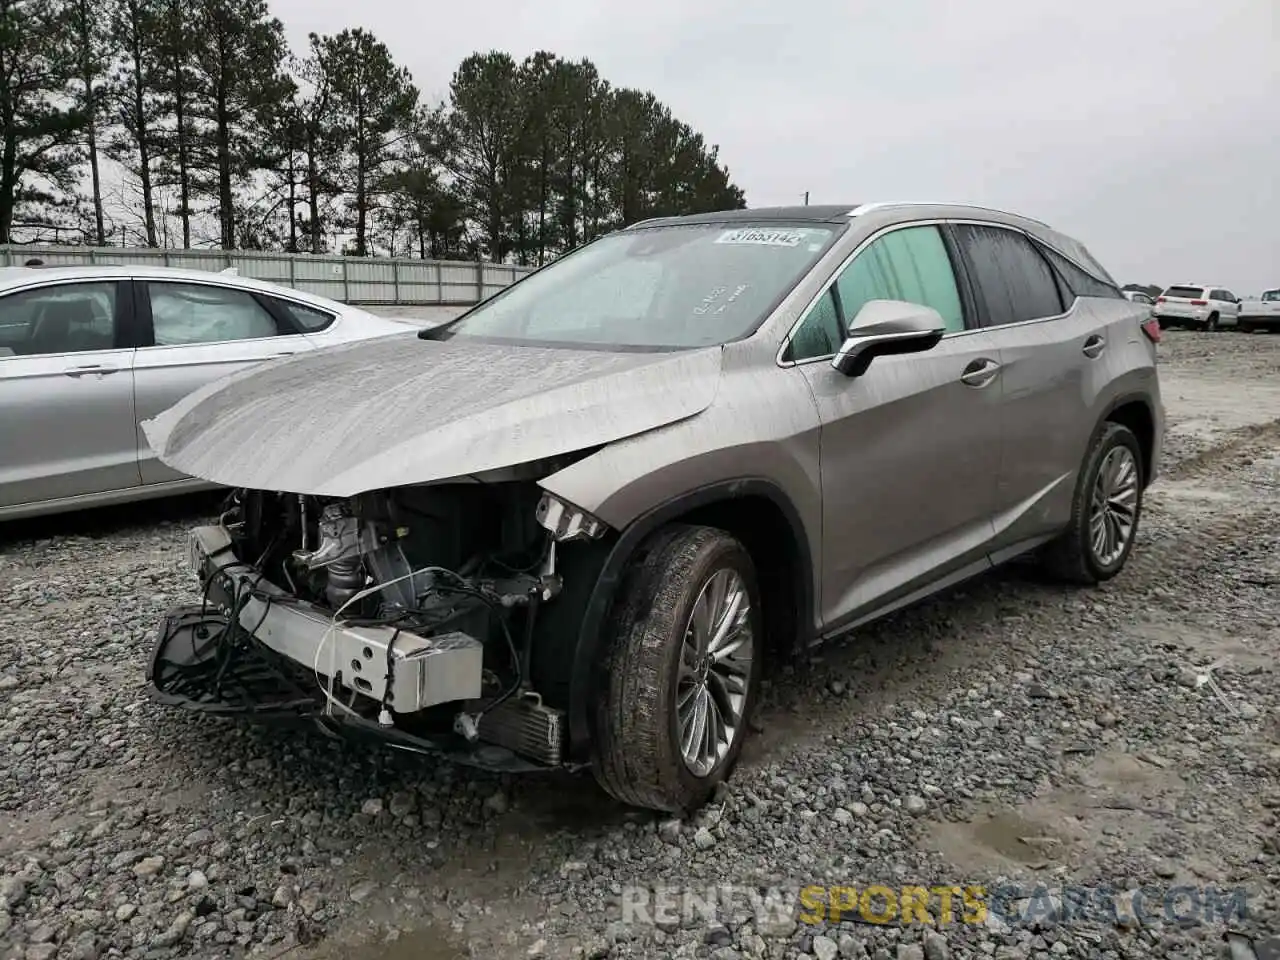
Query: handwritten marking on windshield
x=708 y=304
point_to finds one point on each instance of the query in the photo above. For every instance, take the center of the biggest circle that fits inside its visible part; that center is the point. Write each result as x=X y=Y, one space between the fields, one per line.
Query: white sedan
x=86 y=353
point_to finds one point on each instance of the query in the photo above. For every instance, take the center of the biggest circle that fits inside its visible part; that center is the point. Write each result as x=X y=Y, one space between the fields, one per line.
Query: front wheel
x=1104 y=513
x=680 y=672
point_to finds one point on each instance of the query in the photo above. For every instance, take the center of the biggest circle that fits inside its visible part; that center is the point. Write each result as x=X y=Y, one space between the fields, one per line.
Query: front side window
x=1013 y=279
x=910 y=264
x=191 y=313
x=1271 y=296
x=65 y=318
x=669 y=287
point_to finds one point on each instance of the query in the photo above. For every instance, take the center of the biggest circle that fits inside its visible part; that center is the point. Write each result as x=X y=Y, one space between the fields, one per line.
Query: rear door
x=1050 y=341
x=197 y=332
x=66 y=392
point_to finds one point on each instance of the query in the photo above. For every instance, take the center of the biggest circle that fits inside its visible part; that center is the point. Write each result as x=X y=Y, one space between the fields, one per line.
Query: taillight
x=1199 y=303
x=1160 y=299
x=1151 y=327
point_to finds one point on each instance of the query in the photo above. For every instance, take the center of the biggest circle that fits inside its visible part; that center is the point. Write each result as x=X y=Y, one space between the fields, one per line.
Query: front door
x=910 y=449
x=66 y=393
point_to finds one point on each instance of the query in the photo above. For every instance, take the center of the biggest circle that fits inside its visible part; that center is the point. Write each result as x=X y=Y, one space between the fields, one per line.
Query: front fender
x=767 y=446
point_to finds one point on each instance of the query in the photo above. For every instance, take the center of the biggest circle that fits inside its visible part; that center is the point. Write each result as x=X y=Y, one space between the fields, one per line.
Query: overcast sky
x=1148 y=129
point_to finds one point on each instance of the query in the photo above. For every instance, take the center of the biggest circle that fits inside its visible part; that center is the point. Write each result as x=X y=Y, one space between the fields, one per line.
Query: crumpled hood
x=397 y=410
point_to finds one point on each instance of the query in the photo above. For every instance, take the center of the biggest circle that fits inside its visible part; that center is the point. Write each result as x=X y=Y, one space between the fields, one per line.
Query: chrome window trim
x=39 y=284
x=937 y=222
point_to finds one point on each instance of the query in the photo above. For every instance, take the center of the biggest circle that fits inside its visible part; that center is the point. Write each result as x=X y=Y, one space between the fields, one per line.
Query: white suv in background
x=1197 y=305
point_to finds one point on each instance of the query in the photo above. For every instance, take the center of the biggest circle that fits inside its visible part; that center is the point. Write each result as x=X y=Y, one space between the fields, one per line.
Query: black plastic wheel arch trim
x=586 y=656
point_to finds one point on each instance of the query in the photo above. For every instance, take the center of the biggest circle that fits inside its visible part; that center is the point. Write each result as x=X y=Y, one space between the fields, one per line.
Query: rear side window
x=1186 y=293
x=1078 y=282
x=191 y=313
x=307 y=319
x=1013 y=279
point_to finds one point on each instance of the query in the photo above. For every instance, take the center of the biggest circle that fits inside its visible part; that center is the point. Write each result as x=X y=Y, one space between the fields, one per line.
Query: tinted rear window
x=1014 y=280
x=1189 y=293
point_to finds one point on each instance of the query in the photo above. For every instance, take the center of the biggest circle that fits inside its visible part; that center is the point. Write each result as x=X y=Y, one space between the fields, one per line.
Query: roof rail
x=883 y=204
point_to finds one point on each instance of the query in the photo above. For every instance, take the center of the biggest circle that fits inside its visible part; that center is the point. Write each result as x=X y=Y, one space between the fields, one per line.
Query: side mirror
x=886 y=327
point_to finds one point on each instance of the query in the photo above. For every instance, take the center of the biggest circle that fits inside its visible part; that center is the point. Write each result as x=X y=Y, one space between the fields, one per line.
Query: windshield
x=656 y=287
x=1271 y=295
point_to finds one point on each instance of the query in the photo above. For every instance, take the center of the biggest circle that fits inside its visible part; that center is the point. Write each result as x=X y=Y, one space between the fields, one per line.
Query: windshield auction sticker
x=766 y=238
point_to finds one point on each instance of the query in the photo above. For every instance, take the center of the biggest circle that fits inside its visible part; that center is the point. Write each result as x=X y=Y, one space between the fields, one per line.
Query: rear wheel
x=680 y=671
x=1212 y=323
x=1104 y=512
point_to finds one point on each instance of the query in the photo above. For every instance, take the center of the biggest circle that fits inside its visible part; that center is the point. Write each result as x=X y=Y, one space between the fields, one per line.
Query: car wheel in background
x=680 y=671
x=1245 y=326
x=1104 y=512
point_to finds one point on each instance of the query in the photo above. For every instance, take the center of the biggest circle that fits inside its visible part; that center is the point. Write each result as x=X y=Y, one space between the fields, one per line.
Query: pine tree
x=373 y=102
x=40 y=128
x=133 y=107
x=237 y=72
x=91 y=53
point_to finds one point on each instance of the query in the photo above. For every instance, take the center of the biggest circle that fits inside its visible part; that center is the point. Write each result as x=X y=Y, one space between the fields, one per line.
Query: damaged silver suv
x=569 y=528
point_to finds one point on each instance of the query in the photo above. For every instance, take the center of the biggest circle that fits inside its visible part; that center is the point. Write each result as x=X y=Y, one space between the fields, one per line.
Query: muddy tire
x=1104 y=512
x=668 y=659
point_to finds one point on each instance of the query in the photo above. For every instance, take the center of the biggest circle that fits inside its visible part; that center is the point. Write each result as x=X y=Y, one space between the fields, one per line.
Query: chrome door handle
x=1094 y=346
x=980 y=372
x=95 y=368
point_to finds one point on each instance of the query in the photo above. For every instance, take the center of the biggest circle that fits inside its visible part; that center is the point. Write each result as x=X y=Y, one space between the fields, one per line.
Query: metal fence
x=360 y=280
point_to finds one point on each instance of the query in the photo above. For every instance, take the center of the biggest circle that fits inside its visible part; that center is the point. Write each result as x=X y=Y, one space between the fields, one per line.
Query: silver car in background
x=86 y=353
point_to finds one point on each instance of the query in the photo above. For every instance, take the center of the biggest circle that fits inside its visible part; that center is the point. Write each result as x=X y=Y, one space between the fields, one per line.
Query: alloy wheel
x=1114 y=511
x=714 y=671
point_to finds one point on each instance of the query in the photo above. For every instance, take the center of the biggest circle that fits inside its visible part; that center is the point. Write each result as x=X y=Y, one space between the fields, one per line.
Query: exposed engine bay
x=432 y=616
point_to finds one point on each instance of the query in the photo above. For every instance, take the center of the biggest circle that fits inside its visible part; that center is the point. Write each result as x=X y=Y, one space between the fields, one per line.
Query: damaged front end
x=433 y=618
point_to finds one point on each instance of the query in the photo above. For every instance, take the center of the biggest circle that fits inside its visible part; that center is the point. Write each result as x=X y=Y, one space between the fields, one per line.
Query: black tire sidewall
x=1113 y=435
x=724 y=553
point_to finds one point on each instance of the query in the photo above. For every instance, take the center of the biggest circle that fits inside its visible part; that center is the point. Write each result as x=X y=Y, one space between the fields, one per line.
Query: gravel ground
x=1008 y=732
